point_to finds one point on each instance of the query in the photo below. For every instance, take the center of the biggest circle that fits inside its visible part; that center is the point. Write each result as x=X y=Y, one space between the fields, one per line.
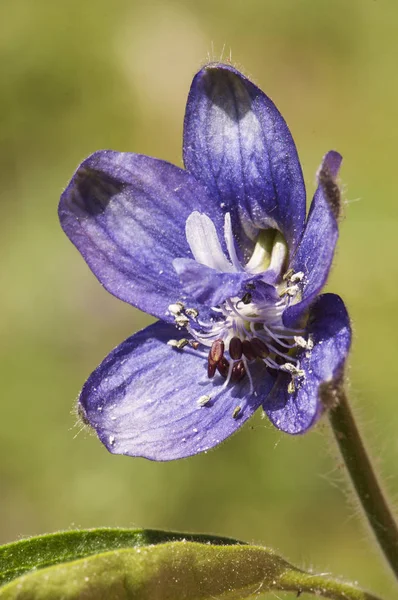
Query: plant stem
x=364 y=479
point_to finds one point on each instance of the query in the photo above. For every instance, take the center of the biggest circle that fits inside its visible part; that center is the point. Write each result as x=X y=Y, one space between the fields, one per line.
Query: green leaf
x=35 y=553
x=145 y=569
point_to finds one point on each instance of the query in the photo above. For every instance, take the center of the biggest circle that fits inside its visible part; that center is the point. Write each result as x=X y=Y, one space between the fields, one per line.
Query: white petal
x=229 y=240
x=204 y=243
x=279 y=253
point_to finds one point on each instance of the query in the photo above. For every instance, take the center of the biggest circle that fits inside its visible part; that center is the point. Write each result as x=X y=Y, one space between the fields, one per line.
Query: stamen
x=259 y=348
x=292 y=290
x=288 y=274
x=235 y=348
x=250 y=329
x=248 y=350
x=223 y=367
x=203 y=400
x=238 y=371
x=276 y=337
x=292 y=369
x=176 y=308
x=249 y=375
x=247 y=298
x=216 y=352
x=236 y=412
x=179 y=344
x=181 y=320
x=297 y=277
x=211 y=369
x=307 y=344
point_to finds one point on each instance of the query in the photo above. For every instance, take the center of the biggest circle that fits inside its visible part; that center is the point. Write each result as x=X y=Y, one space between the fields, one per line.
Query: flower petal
x=238 y=145
x=126 y=213
x=143 y=399
x=330 y=329
x=205 y=246
x=316 y=250
x=208 y=286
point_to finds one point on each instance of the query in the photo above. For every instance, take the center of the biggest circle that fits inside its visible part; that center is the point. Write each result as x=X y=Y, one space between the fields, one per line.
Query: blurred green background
x=77 y=76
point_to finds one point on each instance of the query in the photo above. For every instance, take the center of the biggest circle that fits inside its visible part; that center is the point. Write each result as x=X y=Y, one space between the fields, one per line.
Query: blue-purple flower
x=222 y=253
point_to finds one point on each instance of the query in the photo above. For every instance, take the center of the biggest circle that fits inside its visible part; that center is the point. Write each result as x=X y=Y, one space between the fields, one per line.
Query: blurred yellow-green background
x=77 y=76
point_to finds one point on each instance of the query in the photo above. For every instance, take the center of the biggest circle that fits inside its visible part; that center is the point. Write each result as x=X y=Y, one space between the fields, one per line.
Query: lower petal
x=146 y=398
x=329 y=327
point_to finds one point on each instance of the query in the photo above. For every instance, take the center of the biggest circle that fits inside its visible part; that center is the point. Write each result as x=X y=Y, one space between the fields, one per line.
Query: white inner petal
x=204 y=243
x=229 y=240
x=279 y=253
x=261 y=257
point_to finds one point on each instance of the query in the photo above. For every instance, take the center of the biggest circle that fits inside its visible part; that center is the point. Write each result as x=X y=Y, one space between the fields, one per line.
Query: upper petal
x=316 y=250
x=238 y=145
x=143 y=399
x=329 y=326
x=126 y=213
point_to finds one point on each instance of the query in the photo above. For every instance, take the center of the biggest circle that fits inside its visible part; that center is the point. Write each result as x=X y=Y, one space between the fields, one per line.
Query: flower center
x=248 y=327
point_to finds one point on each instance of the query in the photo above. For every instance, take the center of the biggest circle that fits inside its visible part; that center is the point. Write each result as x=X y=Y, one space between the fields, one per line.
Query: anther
x=247 y=298
x=192 y=312
x=248 y=350
x=235 y=348
x=297 y=277
x=292 y=369
x=288 y=274
x=211 y=369
x=307 y=344
x=203 y=400
x=292 y=290
x=179 y=344
x=236 y=412
x=300 y=341
x=310 y=343
x=181 y=320
x=238 y=371
x=223 y=367
x=259 y=348
x=216 y=352
x=176 y=308
x=194 y=343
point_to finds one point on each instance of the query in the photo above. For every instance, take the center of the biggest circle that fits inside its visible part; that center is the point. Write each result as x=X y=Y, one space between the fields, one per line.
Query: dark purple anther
x=223 y=367
x=259 y=348
x=238 y=371
x=211 y=369
x=248 y=350
x=216 y=352
x=235 y=348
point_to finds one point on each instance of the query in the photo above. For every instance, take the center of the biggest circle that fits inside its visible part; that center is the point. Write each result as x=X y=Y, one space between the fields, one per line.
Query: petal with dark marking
x=126 y=213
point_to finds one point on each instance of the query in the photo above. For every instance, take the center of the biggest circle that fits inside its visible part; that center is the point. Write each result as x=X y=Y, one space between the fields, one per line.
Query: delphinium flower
x=222 y=253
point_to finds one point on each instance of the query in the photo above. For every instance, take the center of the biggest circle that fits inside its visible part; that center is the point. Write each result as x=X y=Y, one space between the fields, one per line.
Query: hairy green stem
x=363 y=477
